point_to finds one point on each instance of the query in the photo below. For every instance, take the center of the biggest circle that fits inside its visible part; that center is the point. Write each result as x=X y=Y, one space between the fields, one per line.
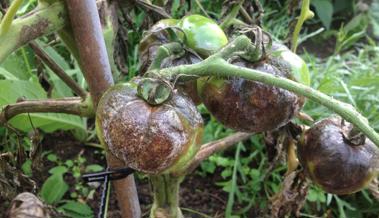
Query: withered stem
x=210 y=148
x=74 y=106
x=58 y=70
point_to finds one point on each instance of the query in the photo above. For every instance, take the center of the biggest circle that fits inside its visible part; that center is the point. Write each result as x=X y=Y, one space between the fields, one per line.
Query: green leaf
x=7 y=75
x=11 y=90
x=76 y=209
x=17 y=64
x=60 y=170
x=52 y=157
x=53 y=189
x=27 y=167
x=94 y=168
x=324 y=10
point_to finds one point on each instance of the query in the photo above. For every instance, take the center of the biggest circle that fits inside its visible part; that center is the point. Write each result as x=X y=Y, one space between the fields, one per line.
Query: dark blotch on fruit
x=247 y=105
x=148 y=138
x=335 y=162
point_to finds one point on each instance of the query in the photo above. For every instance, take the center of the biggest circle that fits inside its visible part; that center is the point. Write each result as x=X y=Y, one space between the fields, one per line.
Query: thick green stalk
x=166 y=196
x=217 y=66
x=39 y=22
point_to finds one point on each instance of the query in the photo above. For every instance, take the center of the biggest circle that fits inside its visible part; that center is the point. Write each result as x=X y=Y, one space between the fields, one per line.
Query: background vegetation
x=340 y=46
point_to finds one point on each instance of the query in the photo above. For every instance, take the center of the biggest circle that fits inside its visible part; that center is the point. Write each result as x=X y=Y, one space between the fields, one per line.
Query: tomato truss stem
x=217 y=65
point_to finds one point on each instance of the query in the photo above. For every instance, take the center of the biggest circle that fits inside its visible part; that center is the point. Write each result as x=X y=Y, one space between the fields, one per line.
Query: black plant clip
x=111 y=174
x=105 y=177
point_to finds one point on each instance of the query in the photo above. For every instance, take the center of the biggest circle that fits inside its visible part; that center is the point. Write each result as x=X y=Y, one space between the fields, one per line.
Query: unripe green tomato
x=203 y=35
x=299 y=68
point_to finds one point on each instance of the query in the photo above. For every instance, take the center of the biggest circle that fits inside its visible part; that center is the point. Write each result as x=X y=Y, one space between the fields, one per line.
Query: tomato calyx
x=154 y=91
x=261 y=44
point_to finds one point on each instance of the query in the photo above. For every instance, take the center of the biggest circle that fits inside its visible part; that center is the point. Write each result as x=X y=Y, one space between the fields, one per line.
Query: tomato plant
x=247 y=81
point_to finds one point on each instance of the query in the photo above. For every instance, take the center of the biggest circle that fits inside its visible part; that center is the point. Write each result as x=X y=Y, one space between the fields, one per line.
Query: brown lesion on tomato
x=250 y=106
x=148 y=138
x=336 y=165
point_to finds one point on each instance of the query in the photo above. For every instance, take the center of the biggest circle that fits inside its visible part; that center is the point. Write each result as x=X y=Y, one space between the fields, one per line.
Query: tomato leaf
x=76 y=209
x=324 y=9
x=53 y=189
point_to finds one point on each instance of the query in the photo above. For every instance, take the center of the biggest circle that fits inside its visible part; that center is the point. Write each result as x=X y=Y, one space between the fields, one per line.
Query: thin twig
x=202 y=8
x=228 y=19
x=246 y=15
x=156 y=9
x=210 y=148
x=58 y=70
x=74 y=106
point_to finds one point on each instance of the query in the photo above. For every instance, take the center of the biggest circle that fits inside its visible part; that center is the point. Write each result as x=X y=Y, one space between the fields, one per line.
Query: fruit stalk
x=163 y=52
x=166 y=196
x=217 y=65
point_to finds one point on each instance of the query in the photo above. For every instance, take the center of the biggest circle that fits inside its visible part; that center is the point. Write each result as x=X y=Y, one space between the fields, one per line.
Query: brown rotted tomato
x=335 y=158
x=247 y=105
x=153 y=38
x=157 y=36
x=150 y=139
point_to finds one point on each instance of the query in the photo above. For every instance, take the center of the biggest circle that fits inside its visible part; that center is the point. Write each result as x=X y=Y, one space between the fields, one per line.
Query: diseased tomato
x=150 y=139
x=156 y=36
x=336 y=159
x=247 y=105
x=149 y=45
x=202 y=34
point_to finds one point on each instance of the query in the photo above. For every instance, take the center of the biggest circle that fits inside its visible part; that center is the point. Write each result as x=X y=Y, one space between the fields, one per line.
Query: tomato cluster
x=155 y=135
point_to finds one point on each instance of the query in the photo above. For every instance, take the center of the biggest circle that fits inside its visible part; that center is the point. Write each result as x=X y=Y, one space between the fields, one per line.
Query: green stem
x=215 y=65
x=166 y=196
x=39 y=22
x=305 y=14
x=163 y=52
x=8 y=18
x=229 y=19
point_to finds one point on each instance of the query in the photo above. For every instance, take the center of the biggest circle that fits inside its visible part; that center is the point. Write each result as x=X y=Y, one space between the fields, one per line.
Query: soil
x=198 y=194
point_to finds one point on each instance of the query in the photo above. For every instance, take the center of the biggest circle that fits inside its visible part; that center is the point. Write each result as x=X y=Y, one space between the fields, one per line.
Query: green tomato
x=203 y=35
x=299 y=69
